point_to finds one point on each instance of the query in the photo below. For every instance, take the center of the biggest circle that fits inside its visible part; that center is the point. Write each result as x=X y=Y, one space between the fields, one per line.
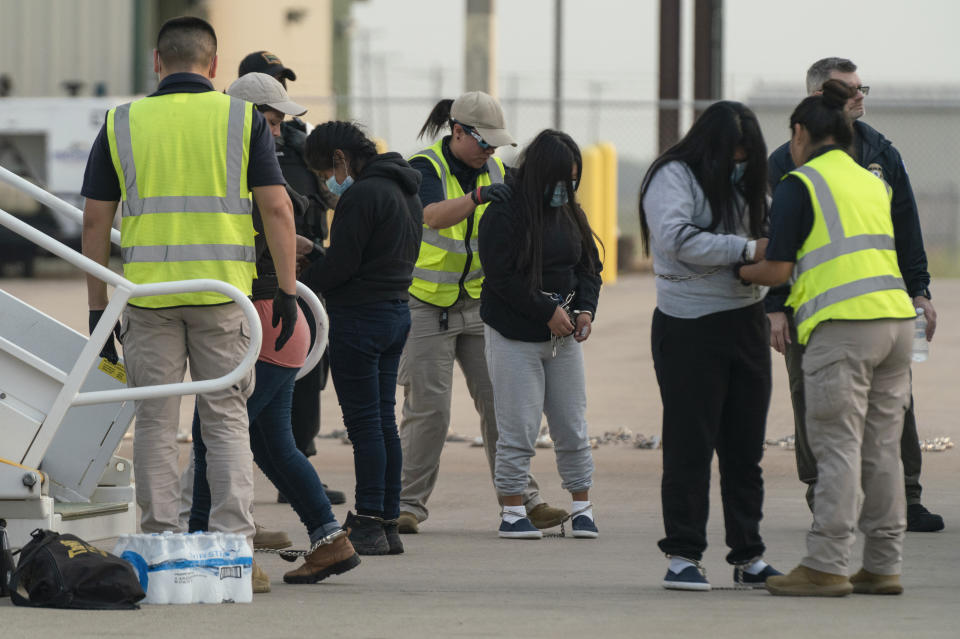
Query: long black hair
x=708 y=149
x=438 y=119
x=823 y=115
x=547 y=161
x=330 y=136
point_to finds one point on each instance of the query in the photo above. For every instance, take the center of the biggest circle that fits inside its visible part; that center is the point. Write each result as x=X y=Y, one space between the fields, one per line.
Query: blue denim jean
x=274 y=451
x=365 y=346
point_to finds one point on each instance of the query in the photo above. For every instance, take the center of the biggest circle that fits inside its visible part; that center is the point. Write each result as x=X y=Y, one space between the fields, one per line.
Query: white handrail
x=71 y=212
x=124 y=290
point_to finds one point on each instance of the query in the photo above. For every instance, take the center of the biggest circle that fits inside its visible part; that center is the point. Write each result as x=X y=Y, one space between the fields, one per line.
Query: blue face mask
x=739 y=170
x=337 y=188
x=559 y=196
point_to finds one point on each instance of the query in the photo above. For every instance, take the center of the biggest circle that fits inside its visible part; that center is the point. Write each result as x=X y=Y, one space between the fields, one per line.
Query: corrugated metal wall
x=44 y=43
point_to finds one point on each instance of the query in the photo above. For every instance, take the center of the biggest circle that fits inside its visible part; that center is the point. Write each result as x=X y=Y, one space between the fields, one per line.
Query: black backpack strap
x=25 y=560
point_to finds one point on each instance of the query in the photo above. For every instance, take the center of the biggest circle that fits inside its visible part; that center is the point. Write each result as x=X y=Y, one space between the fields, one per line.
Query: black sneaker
x=366 y=534
x=391 y=529
x=919 y=519
x=743 y=578
x=336 y=497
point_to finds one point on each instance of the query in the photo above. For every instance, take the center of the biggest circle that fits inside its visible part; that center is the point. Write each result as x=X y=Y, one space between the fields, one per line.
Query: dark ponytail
x=823 y=115
x=330 y=136
x=438 y=119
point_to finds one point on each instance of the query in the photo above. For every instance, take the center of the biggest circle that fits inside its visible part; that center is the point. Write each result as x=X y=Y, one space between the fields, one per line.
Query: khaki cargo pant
x=426 y=374
x=857 y=382
x=157 y=346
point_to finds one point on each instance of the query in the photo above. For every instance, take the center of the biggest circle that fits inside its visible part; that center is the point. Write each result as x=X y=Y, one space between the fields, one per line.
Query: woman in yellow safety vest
x=460 y=176
x=831 y=229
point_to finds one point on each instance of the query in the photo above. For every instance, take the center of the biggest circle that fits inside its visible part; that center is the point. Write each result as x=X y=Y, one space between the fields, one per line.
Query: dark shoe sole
x=367 y=551
x=336 y=497
x=336 y=569
x=395 y=550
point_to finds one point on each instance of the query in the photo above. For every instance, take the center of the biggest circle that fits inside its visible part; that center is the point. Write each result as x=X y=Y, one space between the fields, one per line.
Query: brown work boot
x=868 y=583
x=270 y=539
x=543 y=516
x=330 y=559
x=408 y=524
x=260 y=580
x=807 y=582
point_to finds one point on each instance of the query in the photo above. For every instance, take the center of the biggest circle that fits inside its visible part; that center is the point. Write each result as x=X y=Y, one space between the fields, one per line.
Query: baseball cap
x=483 y=112
x=261 y=88
x=265 y=62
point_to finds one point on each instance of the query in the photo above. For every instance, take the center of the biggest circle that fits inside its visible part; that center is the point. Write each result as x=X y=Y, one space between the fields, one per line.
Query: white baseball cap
x=261 y=88
x=482 y=112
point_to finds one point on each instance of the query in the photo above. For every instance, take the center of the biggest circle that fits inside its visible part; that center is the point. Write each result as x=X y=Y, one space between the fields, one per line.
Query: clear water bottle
x=921 y=347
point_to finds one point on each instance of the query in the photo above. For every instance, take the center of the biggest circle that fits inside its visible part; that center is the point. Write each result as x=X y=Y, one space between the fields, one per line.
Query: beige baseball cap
x=483 y=112
x=261 y=88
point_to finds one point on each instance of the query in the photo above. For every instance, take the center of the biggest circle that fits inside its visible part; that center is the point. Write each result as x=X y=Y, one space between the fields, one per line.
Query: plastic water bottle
x=921 y=347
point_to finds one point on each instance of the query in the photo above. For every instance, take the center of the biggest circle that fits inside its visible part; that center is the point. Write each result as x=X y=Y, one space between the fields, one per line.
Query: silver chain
x=695 y=276
x=291 y=555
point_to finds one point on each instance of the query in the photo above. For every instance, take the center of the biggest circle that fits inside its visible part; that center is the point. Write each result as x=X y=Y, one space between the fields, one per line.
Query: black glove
x=493 y=193
x=109 y=348
x=284 y=310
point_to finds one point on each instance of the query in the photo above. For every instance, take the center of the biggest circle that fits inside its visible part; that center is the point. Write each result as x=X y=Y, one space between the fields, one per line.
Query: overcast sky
x=614 y=43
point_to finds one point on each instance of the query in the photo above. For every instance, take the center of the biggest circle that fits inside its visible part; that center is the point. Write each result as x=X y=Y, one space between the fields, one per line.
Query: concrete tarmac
x=458 y=579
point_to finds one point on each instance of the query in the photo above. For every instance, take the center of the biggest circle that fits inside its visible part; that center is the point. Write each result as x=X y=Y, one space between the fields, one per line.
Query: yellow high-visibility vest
x=847 y=267
x=182 y=163
x=449 y=257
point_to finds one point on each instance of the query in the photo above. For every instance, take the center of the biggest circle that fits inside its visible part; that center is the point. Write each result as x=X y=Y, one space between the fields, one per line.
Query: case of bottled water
x=179 y=568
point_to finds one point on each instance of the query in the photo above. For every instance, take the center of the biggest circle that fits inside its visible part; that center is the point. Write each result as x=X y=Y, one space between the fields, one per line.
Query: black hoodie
x=878 y=155
x=374 y=238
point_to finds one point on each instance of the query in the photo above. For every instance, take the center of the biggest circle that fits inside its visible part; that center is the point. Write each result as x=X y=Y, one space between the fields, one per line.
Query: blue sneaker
x=584 y=527
x=743 y=578
x=520 y=529
x=690 y=578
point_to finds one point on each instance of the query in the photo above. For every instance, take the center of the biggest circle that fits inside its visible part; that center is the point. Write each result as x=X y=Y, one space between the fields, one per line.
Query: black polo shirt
x=100 y=180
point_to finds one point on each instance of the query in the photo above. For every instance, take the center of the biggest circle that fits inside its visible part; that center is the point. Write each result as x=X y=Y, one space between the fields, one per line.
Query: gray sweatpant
x=528 y=382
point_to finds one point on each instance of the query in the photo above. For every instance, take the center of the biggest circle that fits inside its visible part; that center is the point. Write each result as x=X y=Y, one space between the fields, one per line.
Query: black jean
x=714 y=377
x=365 y=346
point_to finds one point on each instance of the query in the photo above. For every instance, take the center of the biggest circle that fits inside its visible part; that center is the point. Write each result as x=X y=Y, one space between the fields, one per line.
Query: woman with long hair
x=461 y=176
x=364 y=276
x=538 y=304
x=703 y=210
x=831 y=229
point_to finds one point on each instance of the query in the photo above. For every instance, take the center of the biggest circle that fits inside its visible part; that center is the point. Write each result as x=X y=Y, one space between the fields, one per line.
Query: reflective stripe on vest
x=447 y=257
x=232 y=203
x=832 y=283
x=186 y=214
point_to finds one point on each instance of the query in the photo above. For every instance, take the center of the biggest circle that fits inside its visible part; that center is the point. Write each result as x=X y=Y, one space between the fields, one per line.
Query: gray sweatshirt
x=694 y=267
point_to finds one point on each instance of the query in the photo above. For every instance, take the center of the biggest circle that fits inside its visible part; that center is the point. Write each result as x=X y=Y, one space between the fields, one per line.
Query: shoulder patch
x=876 y=169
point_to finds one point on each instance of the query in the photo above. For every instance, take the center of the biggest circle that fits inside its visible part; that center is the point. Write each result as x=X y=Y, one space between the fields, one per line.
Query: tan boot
x=543 y=515
x=807 y=582
x=270 y=539
x=329 y=559
x=408 y=523
x=260 y=580
x=868 y=583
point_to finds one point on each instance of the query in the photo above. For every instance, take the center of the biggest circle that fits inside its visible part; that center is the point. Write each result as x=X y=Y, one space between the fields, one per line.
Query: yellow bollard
x=598 y=197
x=609 y=232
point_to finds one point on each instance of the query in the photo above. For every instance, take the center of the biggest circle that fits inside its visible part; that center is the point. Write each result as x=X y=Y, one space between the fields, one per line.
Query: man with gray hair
x=878 y=155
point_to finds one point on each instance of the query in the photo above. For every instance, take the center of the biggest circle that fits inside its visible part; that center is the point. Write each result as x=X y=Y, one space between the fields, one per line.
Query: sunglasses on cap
x=476 y=135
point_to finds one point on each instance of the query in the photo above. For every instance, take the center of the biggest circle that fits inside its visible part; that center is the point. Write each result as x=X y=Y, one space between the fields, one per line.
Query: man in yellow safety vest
x=183 y=162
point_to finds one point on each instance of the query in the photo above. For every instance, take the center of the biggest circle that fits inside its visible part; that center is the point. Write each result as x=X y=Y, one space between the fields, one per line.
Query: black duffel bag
x=63 y=571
